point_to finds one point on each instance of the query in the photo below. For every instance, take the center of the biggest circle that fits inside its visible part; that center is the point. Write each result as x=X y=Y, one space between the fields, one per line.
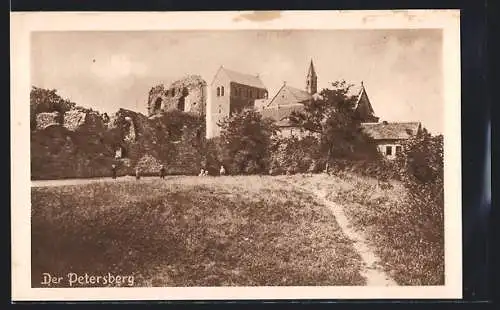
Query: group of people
x=162 y=172
x=204 y=172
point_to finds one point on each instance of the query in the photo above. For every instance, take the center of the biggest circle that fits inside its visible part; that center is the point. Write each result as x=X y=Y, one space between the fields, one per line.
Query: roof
x=391 y=131
x=243 y=78
x=282 y=113
x=287 y=95
x=311 y=70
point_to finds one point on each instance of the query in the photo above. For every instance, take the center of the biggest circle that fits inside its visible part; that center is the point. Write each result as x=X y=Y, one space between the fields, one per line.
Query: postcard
x=236 y=155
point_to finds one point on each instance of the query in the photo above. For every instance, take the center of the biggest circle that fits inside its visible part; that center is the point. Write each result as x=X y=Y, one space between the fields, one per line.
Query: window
x=181 y=104
x=388 y=150
x=398 y=149
x=173 y=92
x=222 y=91
x=158 y=103
x=218 y=91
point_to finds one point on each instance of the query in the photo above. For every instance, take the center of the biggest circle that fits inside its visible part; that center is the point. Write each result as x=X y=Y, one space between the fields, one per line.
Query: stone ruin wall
x=188 y=95
x=83 y=143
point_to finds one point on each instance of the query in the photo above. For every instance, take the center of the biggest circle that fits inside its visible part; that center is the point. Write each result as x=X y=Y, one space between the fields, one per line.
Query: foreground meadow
x=190 y=231
x=409 y=242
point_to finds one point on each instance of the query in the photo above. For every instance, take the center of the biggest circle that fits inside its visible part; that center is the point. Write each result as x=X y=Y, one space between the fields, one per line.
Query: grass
x=409 y=242
x=191 y=231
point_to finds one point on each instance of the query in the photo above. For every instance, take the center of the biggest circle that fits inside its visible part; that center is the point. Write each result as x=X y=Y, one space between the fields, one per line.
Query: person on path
x=137 y=173
x=162 y=172
x=113 y=171
x=202 y=172
x=222 y=170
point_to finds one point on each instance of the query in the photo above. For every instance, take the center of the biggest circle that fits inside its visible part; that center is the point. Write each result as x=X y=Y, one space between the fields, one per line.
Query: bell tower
x=312 y=80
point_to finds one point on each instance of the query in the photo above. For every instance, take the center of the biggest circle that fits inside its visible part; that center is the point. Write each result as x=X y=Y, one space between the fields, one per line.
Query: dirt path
x=374 y=274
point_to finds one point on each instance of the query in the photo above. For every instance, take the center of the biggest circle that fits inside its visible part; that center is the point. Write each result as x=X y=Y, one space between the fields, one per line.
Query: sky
x=401 y=69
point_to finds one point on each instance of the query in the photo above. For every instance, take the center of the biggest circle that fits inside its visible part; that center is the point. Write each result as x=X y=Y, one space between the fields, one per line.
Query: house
x=389 y=136
x=281 y=106
x=289 y=99
x=231 y=92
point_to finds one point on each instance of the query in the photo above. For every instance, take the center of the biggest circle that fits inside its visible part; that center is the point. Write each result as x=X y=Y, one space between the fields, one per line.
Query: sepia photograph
x=246 y=157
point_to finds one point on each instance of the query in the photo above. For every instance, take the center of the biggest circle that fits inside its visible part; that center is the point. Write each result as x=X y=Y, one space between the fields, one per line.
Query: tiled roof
x=288 y=95
x=244 y=79
x=282 y=113
x=391 y=131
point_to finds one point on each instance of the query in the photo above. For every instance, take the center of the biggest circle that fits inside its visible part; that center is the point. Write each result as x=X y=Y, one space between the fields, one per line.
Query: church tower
x=312 y=80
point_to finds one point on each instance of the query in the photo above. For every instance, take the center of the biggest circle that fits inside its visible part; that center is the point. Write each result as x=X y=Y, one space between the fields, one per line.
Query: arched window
x=158 y=103
x=218 y=91
x=181 y=104
x=222 y=91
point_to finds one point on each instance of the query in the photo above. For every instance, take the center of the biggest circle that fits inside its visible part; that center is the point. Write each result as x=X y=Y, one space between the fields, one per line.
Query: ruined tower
x=311 y=80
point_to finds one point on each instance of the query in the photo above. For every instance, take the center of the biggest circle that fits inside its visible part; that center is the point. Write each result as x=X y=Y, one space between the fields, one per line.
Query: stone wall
x=83 y=144
x=187 y=95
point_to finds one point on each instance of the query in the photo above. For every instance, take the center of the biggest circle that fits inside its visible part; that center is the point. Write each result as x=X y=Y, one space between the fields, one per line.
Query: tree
x=422 y=158
x=421 y=170
x=293 y=155
x=333 y=117
x=46 y=100
x=245 y=142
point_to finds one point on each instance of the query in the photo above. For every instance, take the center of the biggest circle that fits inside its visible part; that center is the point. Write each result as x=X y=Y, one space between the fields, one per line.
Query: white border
x=24 y=23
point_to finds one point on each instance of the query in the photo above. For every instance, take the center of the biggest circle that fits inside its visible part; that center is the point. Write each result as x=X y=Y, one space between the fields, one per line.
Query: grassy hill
x=190 y=231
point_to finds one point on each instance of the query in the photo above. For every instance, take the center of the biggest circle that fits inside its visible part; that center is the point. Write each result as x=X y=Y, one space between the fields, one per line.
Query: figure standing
x=222 y=170
x=137 y=173
x=202 y=172
x=162 y=172
x=113 y=170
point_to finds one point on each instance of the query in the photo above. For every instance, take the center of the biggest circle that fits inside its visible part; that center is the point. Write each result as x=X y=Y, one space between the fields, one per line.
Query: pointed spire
x=311 y=71
x=311 y=80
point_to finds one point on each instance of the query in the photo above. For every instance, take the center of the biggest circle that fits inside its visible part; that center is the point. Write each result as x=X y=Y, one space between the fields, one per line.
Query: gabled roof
x=282 y=113
x=391 y=131
x=362 y=97
x=287 y=95
x=242 y=78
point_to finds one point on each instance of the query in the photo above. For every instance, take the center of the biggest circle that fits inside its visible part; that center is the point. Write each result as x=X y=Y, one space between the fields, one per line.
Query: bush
x=245 y=142
x=295 y=155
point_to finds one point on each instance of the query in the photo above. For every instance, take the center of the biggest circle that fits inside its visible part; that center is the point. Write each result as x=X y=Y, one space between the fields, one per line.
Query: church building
x=289 y=99
x=231 y=92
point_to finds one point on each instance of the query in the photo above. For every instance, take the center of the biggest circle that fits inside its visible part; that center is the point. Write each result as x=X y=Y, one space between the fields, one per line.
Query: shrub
x=245 y=142
x=295 y=155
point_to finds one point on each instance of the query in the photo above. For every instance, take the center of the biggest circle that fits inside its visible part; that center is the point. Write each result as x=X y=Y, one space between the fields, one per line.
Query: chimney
x=384 y=122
